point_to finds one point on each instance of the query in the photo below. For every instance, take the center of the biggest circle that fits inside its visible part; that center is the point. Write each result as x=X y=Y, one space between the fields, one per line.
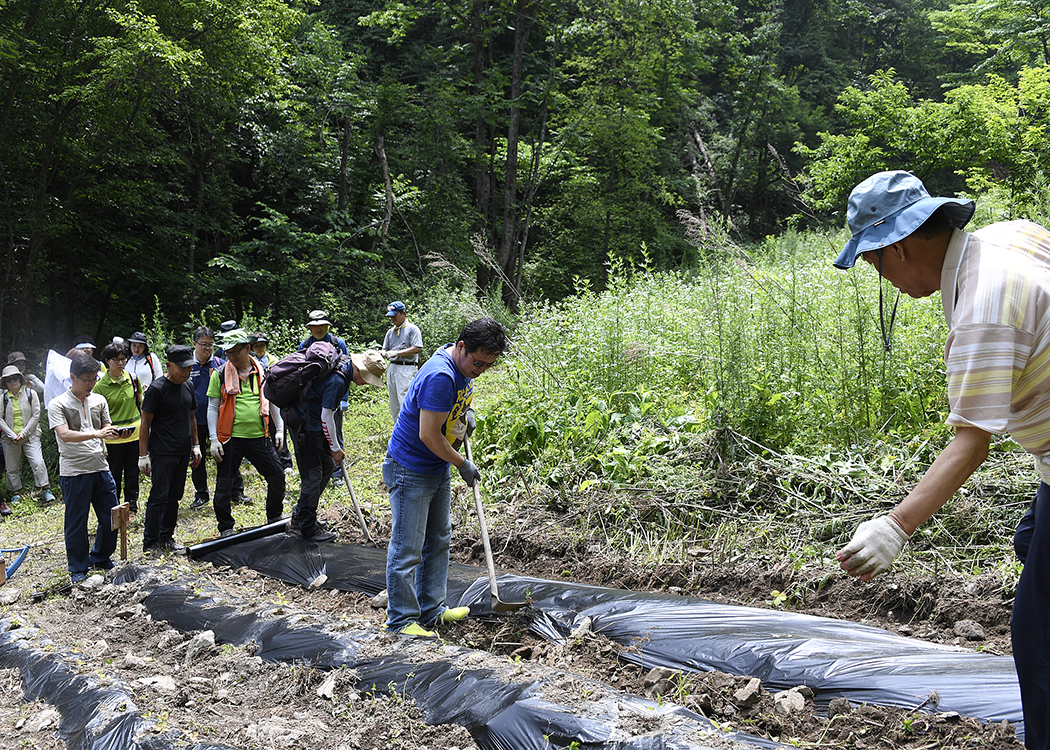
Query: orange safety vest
x=228 y=401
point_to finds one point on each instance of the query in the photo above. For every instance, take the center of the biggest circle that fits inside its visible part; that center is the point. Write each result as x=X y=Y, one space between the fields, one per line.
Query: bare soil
x=228 y=696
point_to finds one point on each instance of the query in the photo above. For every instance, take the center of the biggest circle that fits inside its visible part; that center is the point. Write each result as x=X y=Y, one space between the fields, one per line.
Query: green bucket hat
x=237 y=336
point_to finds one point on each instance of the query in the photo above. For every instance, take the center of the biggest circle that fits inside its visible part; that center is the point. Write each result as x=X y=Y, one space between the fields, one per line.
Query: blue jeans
x=81 y=494
x=1030 y=623
x=162 y=505
x=417 y=558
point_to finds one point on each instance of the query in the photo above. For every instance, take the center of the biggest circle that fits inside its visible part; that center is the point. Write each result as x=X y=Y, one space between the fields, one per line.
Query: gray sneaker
x=226 y=533
x=171 y=545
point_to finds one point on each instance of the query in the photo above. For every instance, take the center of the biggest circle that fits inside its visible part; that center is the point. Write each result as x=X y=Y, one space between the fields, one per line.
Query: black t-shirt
x=172 y=409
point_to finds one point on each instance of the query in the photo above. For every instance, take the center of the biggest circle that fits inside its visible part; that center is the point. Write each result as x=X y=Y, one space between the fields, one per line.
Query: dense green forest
x=211 y=159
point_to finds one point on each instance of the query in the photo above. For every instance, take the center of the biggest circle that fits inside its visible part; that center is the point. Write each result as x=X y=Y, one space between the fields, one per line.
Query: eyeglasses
x=202 y=345
x=120 y=360
x=482 y=365
x=92 y=378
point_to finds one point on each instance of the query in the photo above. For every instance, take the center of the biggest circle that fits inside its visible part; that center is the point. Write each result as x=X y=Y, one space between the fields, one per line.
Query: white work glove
x=874 y=547
x=278 y=440
x=195 y=454
x=144 y=466
x=471 y=424
x=470 y=473
x=216 y=451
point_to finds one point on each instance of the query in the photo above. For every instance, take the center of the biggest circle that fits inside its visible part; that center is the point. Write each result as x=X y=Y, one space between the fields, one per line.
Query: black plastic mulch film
x=96 y=715
x=834 y=658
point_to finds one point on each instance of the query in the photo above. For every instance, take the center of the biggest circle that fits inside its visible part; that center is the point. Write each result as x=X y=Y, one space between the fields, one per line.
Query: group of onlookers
x=127 y=413
x=137 y=417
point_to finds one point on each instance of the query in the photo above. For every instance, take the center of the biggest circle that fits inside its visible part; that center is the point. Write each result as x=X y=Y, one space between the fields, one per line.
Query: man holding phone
x=80 y=419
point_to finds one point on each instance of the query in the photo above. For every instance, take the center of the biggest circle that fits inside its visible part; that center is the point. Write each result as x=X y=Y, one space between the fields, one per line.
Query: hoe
x=498 y=605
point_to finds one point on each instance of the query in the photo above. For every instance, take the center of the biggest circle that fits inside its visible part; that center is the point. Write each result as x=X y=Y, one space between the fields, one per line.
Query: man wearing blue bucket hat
x=995 y=290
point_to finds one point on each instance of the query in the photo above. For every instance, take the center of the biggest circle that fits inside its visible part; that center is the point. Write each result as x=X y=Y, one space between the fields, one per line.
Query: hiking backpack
x=290 y=377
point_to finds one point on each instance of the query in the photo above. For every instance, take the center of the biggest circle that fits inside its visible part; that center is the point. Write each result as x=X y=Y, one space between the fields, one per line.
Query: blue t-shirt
x=326 y=395
x=439 y=387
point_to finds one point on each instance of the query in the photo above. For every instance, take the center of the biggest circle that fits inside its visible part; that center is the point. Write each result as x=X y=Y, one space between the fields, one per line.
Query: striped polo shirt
x=995 y=288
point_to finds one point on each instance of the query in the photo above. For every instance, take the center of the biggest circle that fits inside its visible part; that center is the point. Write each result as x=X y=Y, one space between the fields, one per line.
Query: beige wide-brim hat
x=10 y=371
x=371 y=365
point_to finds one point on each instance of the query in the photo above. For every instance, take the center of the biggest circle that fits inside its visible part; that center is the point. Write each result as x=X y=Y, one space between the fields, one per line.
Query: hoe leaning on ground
x=498 y=605
x=357 y=507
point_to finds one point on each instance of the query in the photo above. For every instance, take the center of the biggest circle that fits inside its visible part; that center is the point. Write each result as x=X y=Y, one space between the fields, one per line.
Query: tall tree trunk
x=388 y=187
x=507 y=251
x=534 y=173
x=344 y=164
x=482 y=162
x=195 y=232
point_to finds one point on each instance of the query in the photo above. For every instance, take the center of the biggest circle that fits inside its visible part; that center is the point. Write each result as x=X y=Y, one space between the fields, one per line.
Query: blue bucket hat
x=889 y=206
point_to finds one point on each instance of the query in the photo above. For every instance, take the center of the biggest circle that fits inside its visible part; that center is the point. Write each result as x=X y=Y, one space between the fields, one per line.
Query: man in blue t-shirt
x=432 y=423
x=318 y=446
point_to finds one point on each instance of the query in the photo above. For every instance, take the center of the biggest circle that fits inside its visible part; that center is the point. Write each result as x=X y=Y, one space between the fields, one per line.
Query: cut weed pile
x=228 y=696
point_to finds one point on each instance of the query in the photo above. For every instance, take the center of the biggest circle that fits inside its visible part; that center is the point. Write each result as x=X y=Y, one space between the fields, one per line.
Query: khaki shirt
x=88 y=456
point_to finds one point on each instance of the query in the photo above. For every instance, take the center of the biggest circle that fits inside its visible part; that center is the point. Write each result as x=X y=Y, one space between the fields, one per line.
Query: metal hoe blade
x=357 y=508
x=498 y=605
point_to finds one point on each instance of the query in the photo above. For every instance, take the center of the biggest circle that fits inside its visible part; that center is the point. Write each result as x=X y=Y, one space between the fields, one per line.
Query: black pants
x=200 y=473
x=1030 y=623
x=162 y=506
x=261 y=454
x=315 y=470
x=123 y=459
